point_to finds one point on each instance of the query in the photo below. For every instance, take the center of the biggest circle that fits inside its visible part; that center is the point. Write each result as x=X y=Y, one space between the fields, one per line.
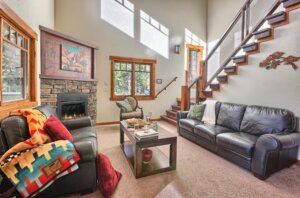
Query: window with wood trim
x=131 y=76
x=17 y=63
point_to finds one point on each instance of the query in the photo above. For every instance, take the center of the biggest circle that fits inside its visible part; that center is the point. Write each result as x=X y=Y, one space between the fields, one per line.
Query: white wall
x=81 y=19
x=254 y=85
x=35 y=13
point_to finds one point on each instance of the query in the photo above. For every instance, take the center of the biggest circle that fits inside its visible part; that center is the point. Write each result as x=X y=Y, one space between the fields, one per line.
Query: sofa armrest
x=86 y=151
x=267 y=156
x=180 y=115
x=78 y=123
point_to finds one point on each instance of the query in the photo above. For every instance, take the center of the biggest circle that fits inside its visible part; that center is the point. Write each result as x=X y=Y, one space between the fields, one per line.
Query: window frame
x=8 y=16
x=133 y=61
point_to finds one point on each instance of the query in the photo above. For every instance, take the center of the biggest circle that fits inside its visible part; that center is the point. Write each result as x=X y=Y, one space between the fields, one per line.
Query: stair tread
x=275 y=15
x=260 y=31
x=249 y=44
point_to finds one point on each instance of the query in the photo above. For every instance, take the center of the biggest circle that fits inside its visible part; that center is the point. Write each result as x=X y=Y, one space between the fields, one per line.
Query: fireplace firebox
x=72 y=105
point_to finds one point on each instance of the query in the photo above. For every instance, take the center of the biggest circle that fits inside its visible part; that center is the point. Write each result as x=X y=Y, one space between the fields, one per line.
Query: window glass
x=14 y=62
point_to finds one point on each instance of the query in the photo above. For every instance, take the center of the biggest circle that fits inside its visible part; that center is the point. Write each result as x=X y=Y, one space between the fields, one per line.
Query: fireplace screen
x=72 y=106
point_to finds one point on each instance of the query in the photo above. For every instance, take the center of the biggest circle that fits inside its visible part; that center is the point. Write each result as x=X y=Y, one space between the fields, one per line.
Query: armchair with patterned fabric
x=134 y=111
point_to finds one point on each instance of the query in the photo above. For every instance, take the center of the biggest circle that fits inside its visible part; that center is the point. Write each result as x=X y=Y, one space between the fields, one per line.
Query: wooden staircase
x=275 y=20
x=170 y=116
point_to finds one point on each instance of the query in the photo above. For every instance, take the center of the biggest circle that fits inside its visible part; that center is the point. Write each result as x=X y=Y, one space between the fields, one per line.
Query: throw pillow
x=210 y=112
x=108 y=177
x=124 y=106
x=56 y=130
x=196 y=112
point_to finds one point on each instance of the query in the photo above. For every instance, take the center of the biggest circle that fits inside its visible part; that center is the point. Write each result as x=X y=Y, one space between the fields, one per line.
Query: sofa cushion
x=81 y=133
x=56 y=130
x=265 y=120
x=239 y=142
x=133 y=114
x=189 y=124
x=231 y=115
x=209 y=131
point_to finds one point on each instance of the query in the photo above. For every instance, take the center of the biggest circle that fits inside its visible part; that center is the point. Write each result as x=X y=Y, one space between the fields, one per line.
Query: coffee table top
x=163 y=135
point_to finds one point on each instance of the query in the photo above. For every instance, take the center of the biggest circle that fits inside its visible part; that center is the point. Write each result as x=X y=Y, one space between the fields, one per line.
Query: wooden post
x=184 y=106
x=203 y=79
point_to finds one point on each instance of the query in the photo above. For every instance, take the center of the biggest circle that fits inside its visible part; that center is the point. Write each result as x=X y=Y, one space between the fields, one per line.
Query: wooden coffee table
x=133 y=152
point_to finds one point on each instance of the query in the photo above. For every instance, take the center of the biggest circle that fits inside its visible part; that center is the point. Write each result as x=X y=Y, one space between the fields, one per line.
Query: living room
x=216 y=83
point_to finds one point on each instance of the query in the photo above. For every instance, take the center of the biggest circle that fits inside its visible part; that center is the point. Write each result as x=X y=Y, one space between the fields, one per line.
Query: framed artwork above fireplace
x=64 y=57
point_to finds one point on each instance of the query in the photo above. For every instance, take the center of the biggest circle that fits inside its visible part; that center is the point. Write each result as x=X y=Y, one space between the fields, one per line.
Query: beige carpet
x=199 y=173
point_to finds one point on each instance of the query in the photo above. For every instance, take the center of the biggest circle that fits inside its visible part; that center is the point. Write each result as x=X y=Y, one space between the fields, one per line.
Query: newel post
x=203 y=79
x=184 y=105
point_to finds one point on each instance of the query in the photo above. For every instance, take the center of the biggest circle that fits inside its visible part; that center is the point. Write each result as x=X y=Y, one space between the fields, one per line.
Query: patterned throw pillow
x=124 y=106
x=196 y=112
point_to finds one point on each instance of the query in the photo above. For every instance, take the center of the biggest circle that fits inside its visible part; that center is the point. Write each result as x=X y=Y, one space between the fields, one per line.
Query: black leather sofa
x=14 y=130
x=261 y=139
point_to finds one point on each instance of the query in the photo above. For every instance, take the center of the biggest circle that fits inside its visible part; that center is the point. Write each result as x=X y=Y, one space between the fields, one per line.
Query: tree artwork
x=277 y=58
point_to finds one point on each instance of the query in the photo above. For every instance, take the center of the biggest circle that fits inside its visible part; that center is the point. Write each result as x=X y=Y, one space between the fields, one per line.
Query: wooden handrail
x=236 y=19
x=245 y=40
x=165 y=88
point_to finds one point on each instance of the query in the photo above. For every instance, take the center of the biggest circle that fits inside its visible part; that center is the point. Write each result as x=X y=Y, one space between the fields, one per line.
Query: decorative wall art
x=72 y=59
x=277 y=58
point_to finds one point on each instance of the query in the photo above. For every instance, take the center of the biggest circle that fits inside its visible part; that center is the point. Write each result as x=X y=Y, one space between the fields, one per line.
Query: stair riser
x=239 y=60
x=171 y=116
x=277 y=19
x=173 y=122
x=230 y=70
x=174 y=108
x=251 y=48
x=290 y=3
x=222 y=79
x=215 y=87
x=263 y=34
x=208 y=94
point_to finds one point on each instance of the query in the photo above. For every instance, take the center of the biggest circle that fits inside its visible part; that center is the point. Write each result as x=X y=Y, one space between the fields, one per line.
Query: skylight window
x=154 y=35
x=120 y=14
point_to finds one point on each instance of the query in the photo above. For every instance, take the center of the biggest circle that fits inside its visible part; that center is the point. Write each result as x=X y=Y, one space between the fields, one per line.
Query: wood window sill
x=6 y=108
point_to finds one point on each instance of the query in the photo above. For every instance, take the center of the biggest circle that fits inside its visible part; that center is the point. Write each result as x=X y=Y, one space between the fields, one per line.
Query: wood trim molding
x=128 y=59
x=107 y=123
x=65 y=78
x=200 y=55
x=67 y=37
x=13 y=18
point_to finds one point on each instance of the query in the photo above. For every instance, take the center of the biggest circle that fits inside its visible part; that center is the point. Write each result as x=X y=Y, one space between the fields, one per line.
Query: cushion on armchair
x=124 y=106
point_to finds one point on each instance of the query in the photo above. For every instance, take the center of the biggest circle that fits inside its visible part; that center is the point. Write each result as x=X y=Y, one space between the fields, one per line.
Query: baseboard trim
x=107 y=123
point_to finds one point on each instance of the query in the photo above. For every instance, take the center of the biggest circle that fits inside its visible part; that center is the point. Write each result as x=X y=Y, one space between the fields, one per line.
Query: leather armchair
x=270 y=149
x=14 y=130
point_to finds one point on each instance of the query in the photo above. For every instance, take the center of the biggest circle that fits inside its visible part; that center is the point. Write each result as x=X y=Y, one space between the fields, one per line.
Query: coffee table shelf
x=159 y=163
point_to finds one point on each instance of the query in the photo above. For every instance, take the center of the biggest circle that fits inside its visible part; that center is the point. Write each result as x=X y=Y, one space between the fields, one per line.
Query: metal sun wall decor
x=277 y=58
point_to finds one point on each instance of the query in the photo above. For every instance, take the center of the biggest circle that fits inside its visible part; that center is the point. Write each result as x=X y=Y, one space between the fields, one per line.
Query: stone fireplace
x=68 y=75
x=67 y=92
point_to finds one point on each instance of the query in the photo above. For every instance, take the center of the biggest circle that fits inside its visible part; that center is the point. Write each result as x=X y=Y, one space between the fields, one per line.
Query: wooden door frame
x=188 y=47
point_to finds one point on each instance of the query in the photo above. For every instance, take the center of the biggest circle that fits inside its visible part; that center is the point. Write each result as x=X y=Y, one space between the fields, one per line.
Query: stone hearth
x=50 y=88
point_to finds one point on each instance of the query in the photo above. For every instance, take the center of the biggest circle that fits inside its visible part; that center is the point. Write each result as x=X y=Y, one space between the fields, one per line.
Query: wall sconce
x=177 y=49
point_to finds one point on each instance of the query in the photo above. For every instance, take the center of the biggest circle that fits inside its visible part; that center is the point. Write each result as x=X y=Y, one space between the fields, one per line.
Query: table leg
x=138 y=161
x=173 y=154
x=121 y=136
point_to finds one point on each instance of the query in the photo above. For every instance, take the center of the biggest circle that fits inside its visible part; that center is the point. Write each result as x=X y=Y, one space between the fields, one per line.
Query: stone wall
x=50 y=88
